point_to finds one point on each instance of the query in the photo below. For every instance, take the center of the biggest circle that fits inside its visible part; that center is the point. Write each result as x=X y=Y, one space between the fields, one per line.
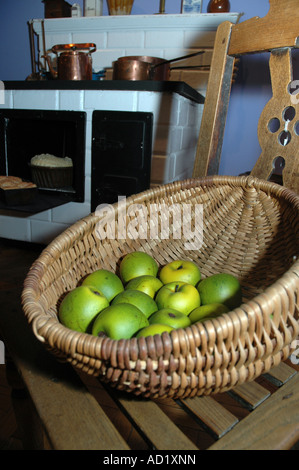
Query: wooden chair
x=278 y=33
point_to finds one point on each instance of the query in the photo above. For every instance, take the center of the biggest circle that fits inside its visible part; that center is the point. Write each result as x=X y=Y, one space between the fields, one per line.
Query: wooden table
x=68 y=410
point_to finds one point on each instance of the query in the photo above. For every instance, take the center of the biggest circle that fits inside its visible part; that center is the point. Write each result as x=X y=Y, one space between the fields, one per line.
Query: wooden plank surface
x=157 y=427
x=280 y=374
x=251 y=394
x=71 y=417
x=213 y=415
x=272 y=426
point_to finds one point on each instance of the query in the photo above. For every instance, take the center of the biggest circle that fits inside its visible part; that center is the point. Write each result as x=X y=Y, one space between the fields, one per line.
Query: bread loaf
x=14 y=182
x=50 y=161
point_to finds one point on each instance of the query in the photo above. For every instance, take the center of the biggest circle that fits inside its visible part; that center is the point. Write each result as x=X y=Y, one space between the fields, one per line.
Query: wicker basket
x=250 y=229
x=52 y=177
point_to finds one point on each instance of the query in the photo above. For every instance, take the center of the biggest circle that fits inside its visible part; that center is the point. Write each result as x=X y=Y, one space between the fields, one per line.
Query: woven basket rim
x=78 y=346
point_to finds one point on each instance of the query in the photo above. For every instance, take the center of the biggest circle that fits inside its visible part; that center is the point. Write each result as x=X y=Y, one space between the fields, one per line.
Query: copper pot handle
x=177 y=59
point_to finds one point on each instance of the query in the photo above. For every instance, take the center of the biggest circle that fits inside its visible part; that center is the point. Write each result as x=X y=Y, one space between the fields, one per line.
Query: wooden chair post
x=214 y=114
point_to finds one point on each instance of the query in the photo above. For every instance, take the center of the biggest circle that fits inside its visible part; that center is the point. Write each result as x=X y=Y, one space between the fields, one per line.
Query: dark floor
x=15 y=260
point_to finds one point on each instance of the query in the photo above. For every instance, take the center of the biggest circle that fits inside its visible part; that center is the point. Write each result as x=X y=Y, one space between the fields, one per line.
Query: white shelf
x=205 y=21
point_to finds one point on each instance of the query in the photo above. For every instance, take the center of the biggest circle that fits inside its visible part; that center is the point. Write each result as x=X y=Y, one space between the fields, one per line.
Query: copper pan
x=145 y=67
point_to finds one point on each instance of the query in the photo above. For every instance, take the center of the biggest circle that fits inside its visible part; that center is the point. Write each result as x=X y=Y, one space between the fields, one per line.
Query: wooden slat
x=251 y=394
x=280 y=374
x=279 y=28
x=217 y=419
x=155 y=425
x=273 y=425
x=79 y=423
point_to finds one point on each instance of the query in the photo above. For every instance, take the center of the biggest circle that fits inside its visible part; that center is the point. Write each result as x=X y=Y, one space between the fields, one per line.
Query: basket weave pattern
x=250 y=229
x=52 y=177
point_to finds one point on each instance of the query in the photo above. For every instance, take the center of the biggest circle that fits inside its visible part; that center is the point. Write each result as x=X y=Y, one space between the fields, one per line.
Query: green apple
x=180 y=270
x=107 y=282
x=171 y=317
x=143 y=301
x=153 y=330
x=207 y=311
x=80 y=306
x=148 y=284
x=178 y=295
x=119 y=321
x=137 y=263
x=220 y=288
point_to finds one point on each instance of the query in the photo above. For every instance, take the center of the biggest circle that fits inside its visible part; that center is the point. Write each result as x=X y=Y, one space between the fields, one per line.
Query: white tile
x=72 y=100
x=174 y=139
x=58 y=38
x=95 y=37
x=114 y=100
x=164 y=106
x=163 y=169
x=169 y=169
x=148 y=51
x=88 y=162
x=195 y=38
x=197 y=79
x=125 y=38
x=184 y=161
x=141 y=51
x=7 y=99
x=189 y=137
x=87 y=191
x=45 y=215
x=187 y=173
x=183 y=116
x=106 y=57
x=70 y=213
x=149 y=101
x=88 y=136
x=156 y=38
x=158 y=168
x=45 y=232
x=36 y=99
x=195 y=115
x=160 y=143
x=15 y=228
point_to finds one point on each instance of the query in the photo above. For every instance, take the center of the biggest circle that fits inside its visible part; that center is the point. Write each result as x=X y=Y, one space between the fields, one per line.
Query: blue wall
x=240 y=149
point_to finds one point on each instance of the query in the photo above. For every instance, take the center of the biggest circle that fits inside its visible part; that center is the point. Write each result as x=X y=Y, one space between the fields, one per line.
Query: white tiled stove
x=176 y=116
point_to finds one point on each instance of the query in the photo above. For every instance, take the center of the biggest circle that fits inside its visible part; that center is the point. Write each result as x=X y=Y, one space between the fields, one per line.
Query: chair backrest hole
x=278 y=165
x=296 y=128
x=293 y=89
x=289 y=113
x=284 y=138
x=273 y=125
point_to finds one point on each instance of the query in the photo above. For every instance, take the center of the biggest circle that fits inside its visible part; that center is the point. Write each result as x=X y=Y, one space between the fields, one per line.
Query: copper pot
x=73 y=62
x=140 y=68
x=145 y=67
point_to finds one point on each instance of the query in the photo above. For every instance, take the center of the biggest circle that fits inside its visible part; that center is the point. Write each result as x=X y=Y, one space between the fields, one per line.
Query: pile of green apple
x=144 y=299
